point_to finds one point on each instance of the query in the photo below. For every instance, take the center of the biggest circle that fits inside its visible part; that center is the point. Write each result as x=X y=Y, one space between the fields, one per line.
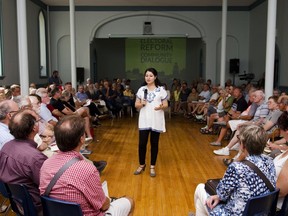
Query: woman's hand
x=212 y=201
x=160 y=107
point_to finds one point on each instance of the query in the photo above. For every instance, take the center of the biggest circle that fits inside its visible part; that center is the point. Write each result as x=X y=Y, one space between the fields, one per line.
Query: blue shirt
x=240 y=183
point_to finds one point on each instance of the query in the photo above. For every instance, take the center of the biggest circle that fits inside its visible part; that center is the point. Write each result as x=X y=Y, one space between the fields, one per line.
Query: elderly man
x=19 y=158
x=7 y=109
x=80 y=183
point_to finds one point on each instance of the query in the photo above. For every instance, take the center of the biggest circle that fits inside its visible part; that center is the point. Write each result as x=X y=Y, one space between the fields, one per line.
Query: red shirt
x=80 y=183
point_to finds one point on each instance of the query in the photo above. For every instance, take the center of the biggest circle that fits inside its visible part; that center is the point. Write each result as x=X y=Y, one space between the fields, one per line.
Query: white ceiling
x=149 y=2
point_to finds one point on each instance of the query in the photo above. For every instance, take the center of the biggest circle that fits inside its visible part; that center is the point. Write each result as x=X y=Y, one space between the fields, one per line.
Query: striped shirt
x=80 y=183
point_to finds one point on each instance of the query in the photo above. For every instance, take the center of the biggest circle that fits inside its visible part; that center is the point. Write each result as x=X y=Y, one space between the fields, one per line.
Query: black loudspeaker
x=80 y=74
x=234 y=66
x=147 y=28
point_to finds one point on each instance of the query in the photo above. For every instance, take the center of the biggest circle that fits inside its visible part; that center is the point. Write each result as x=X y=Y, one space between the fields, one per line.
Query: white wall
x=208 y=23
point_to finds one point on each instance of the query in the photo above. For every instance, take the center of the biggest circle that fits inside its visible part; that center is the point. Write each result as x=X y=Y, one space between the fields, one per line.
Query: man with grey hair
x=7 y=109
x=45 y=112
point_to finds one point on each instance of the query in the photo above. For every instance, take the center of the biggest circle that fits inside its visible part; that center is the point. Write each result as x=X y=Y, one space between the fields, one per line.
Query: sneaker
x=223 y=151
x=85 y=152
x=88 y=140
x=204 y=128
x=199 y=117
x=235 y=147
x=215 y=143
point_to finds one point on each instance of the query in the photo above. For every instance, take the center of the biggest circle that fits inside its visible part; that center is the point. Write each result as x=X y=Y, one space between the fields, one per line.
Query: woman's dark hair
x=68 y=132
x=155 y=73
x=283 y=121
x=253 y=138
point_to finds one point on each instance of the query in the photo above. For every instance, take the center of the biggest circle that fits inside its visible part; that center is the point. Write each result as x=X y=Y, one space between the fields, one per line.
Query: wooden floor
x=185 y=159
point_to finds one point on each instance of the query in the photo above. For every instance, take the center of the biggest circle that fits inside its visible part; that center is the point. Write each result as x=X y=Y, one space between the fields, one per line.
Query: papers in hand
x=87 y=103
x=105 y=188
x=54 y=147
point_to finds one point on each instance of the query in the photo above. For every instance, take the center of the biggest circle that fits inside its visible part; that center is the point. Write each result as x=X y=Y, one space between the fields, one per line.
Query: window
x=42 y=45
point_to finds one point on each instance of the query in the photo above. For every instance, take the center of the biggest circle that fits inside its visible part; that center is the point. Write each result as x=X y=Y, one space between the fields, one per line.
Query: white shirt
x=46 y=114
x=150 y=119
x=5 y=135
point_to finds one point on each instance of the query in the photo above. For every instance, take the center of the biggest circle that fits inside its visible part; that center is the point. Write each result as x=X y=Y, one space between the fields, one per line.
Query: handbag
x=210 y=186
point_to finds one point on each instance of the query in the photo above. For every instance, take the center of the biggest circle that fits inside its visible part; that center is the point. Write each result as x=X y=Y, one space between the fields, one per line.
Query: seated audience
x=80 y=183
x=268 y=122
x=19 y=158
x=239 y=182
x=83 y=112
x=237 y=118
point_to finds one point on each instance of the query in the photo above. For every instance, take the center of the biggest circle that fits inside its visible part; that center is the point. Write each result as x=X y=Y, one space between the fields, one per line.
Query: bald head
x=23 y=125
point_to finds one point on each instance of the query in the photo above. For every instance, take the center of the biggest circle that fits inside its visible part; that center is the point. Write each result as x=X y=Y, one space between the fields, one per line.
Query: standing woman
x=151 y=100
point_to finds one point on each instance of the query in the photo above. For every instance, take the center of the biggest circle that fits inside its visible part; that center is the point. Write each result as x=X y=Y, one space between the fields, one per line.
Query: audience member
x=80 y=183
x=239 y=182
x=7 y=109
x=19 y=158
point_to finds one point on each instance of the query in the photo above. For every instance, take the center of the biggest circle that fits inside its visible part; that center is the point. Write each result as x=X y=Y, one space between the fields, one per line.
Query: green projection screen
x=167 y=55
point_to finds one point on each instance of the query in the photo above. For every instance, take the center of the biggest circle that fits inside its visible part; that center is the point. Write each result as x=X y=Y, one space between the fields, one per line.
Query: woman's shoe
x=152 y=171
x=140 y=169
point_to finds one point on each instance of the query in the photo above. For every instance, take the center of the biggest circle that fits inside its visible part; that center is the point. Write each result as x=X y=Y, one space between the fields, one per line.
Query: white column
x=49 y=42
x=270 y=47
x=72 y=43
x=22 y=47
x=223 y=43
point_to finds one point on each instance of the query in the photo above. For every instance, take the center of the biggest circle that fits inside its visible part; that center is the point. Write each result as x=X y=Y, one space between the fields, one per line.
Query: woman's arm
x=282 y=180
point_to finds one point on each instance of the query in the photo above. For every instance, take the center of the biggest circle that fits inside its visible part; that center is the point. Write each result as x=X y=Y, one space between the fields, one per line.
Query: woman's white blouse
x=149 y=118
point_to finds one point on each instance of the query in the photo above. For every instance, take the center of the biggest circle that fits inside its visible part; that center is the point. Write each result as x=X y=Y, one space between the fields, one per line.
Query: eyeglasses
x=13 y=111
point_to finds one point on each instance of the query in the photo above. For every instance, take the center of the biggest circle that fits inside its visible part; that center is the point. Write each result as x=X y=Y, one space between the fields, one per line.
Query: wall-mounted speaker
x=147 y=28
x=80 y=74
x=234 y=66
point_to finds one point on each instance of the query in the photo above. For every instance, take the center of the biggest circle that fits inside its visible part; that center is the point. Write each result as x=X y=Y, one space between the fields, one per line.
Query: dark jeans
x=143 y=140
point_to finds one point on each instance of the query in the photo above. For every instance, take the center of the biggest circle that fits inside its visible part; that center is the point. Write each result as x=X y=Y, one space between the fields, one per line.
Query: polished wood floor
x=185 y=159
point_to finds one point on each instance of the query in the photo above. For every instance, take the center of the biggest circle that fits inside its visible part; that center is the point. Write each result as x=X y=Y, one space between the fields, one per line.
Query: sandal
x=227 y=161
x=152 y=171
x=140 y=169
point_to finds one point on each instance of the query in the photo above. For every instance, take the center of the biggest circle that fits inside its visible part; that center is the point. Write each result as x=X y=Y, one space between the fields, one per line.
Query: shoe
x=215 y=143
x=223 y=151
x=204 y=128
x=199 y=117
x=206 y=131
x=85 y=152
x=235 y=147
x=152 y=171
x=227 y=161
x=3 y=209
x=100 y=165
x=140 y=169
x=88 y=140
